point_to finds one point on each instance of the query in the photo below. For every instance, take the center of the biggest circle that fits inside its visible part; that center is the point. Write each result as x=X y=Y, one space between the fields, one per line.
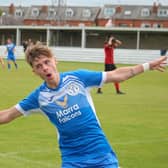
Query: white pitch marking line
x=31 y=151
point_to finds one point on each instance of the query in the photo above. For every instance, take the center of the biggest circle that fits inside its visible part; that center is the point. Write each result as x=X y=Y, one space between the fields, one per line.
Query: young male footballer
x=65 y=99
x=109 y=45
x=10 y=48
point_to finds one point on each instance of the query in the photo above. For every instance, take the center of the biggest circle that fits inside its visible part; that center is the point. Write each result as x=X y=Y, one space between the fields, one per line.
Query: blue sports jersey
x=70 y=108
x=10 y=48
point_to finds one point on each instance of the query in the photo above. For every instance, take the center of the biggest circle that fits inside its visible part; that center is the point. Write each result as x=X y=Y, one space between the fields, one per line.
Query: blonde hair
x=36 y=51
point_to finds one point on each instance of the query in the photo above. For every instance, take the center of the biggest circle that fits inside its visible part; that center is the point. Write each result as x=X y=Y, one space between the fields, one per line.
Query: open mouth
x=48 y=75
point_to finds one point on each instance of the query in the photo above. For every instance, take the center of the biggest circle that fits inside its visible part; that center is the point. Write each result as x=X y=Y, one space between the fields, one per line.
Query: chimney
x=11 y=9
x=44 y=9
x=155 y=7
x=118 y=9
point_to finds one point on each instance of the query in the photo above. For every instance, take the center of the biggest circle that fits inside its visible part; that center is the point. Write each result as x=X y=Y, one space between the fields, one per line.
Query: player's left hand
x=159 y=64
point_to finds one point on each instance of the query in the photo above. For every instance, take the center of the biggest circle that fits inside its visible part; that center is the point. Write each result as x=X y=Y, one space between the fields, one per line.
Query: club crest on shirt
x=73 y=89
x=62 y=103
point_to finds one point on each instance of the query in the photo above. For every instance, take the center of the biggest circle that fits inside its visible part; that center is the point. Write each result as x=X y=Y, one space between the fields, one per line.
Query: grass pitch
x=136 y=123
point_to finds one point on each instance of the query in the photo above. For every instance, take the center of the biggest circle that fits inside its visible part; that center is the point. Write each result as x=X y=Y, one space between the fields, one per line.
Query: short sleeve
x=91 y=78
x=29 y=104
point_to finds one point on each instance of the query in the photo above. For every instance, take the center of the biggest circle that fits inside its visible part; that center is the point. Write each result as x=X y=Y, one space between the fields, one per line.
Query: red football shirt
x=109 y=54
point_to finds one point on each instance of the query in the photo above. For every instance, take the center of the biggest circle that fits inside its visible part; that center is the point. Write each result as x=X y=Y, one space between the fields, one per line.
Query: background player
x=2 y=62
x=10 y=49
x=109 y=64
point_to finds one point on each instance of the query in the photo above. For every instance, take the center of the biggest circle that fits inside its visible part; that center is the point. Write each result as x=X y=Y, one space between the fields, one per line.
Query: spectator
x=163 y=52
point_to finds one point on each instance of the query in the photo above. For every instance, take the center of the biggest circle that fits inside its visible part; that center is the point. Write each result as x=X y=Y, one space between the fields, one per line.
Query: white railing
x=122 y=56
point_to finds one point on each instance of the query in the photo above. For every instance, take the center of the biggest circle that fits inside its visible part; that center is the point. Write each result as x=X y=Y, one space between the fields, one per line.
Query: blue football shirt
x=10 y=48
x=70 y=108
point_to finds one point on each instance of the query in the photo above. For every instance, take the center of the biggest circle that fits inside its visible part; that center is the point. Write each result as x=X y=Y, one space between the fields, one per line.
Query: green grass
x=136 y=124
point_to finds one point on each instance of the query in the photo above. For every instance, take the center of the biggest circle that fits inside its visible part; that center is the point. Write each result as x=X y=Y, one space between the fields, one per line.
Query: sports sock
x=16 y=66
x=9 y=66
x=117 y=86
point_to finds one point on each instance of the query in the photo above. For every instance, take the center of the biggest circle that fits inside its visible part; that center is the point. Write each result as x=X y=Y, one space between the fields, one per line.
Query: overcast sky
x=82 y=2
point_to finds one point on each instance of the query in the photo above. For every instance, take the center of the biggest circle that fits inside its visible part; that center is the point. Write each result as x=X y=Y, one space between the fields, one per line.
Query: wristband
x=146 y=66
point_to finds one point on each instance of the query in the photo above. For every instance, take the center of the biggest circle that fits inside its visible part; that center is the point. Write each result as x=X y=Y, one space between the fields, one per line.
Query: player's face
x=8 y=41
x=46 y=68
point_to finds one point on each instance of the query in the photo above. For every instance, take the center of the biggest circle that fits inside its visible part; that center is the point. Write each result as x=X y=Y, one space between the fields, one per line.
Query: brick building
x=61 y=16
x=134 y=16
x=155 y=16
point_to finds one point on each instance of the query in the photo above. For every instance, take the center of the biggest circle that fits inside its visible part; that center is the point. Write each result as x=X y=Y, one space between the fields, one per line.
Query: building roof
x=11 y=15
x=63 y=13
x=134 y=12
x=15 y=15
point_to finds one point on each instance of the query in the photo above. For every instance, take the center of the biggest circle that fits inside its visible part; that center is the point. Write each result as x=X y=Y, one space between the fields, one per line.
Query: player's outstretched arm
x=124 y=73
x=9 y=114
